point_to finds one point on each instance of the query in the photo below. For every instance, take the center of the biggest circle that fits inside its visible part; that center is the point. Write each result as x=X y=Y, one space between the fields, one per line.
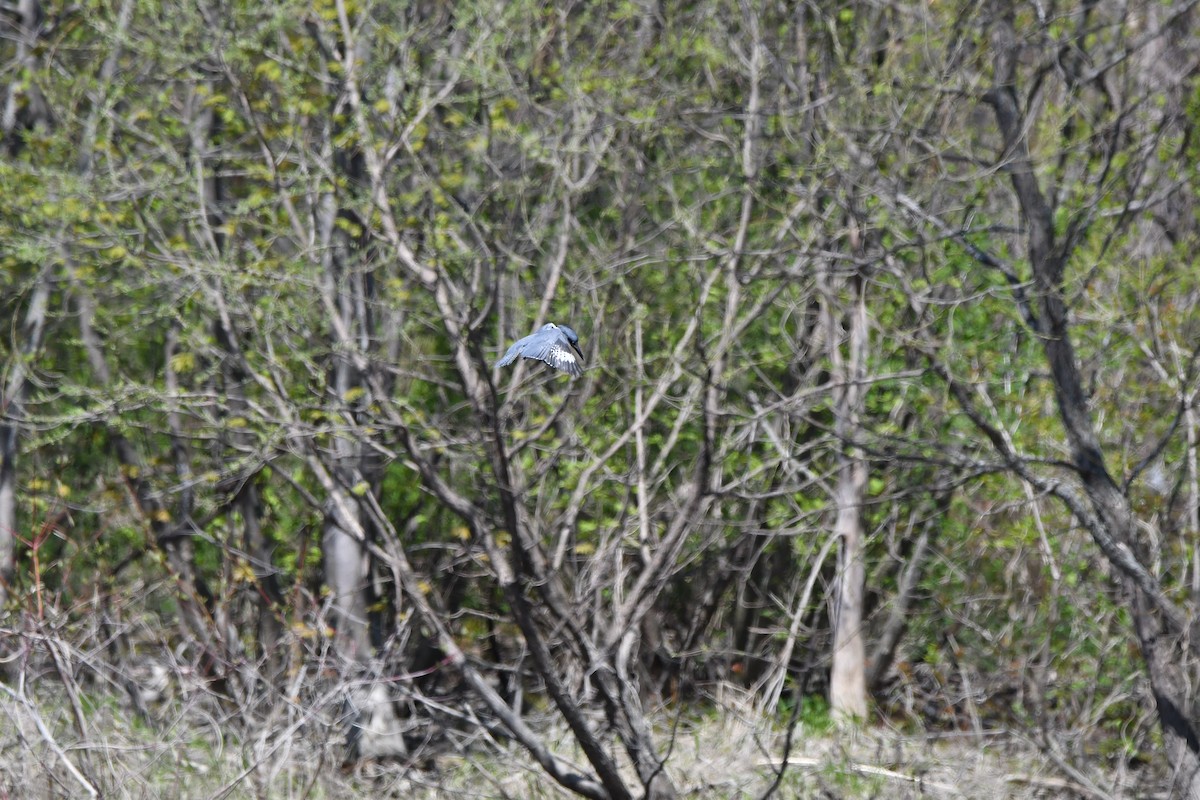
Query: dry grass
x=51 y=747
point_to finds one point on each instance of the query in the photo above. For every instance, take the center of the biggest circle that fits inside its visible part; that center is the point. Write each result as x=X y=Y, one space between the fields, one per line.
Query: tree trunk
x=12 y=410
x=1159 y=630
x=345 y=556
x=884 y=651
x=24 y=105
x=234 y=376
x=847 y=682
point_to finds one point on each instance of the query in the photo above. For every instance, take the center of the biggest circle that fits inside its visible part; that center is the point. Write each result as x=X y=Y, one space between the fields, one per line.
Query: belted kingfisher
x=550 y=343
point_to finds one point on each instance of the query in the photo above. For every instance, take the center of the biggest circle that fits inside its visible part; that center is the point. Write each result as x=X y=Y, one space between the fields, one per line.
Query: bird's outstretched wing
x=516 y=350
x=555 y=351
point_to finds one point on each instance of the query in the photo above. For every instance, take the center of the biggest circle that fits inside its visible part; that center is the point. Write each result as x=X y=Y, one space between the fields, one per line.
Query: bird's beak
x=575 y=347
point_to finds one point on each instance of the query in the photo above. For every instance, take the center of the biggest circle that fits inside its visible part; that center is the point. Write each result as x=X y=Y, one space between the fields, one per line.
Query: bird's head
x=572 y=337
x=570 y=333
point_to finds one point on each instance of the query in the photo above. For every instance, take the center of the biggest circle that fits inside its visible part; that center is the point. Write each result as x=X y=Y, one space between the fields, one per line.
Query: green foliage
x=811 y=713
x=227 y=221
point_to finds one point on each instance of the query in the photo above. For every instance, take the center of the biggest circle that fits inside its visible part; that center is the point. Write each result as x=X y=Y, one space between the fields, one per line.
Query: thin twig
x=48 y=738
x=867 y=769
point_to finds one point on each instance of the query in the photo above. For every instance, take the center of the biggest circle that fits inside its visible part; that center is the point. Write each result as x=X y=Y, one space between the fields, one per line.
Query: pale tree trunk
x=345 y=556
x=344 y=296
x=1193 y=516
x=352 y=472
x=24 y=105
x=12 y=412
x=847 y=682
x=373 y=729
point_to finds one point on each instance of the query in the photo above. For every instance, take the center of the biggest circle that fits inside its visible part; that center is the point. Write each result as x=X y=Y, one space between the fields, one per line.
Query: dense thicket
x=891 y=329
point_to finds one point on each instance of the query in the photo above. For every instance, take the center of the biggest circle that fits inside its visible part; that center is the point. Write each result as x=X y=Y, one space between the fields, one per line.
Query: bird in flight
x=550 y=343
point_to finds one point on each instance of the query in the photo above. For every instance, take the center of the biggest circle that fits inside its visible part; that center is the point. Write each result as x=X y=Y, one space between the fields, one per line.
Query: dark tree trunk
x=1161 y=629
x=884 y=651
